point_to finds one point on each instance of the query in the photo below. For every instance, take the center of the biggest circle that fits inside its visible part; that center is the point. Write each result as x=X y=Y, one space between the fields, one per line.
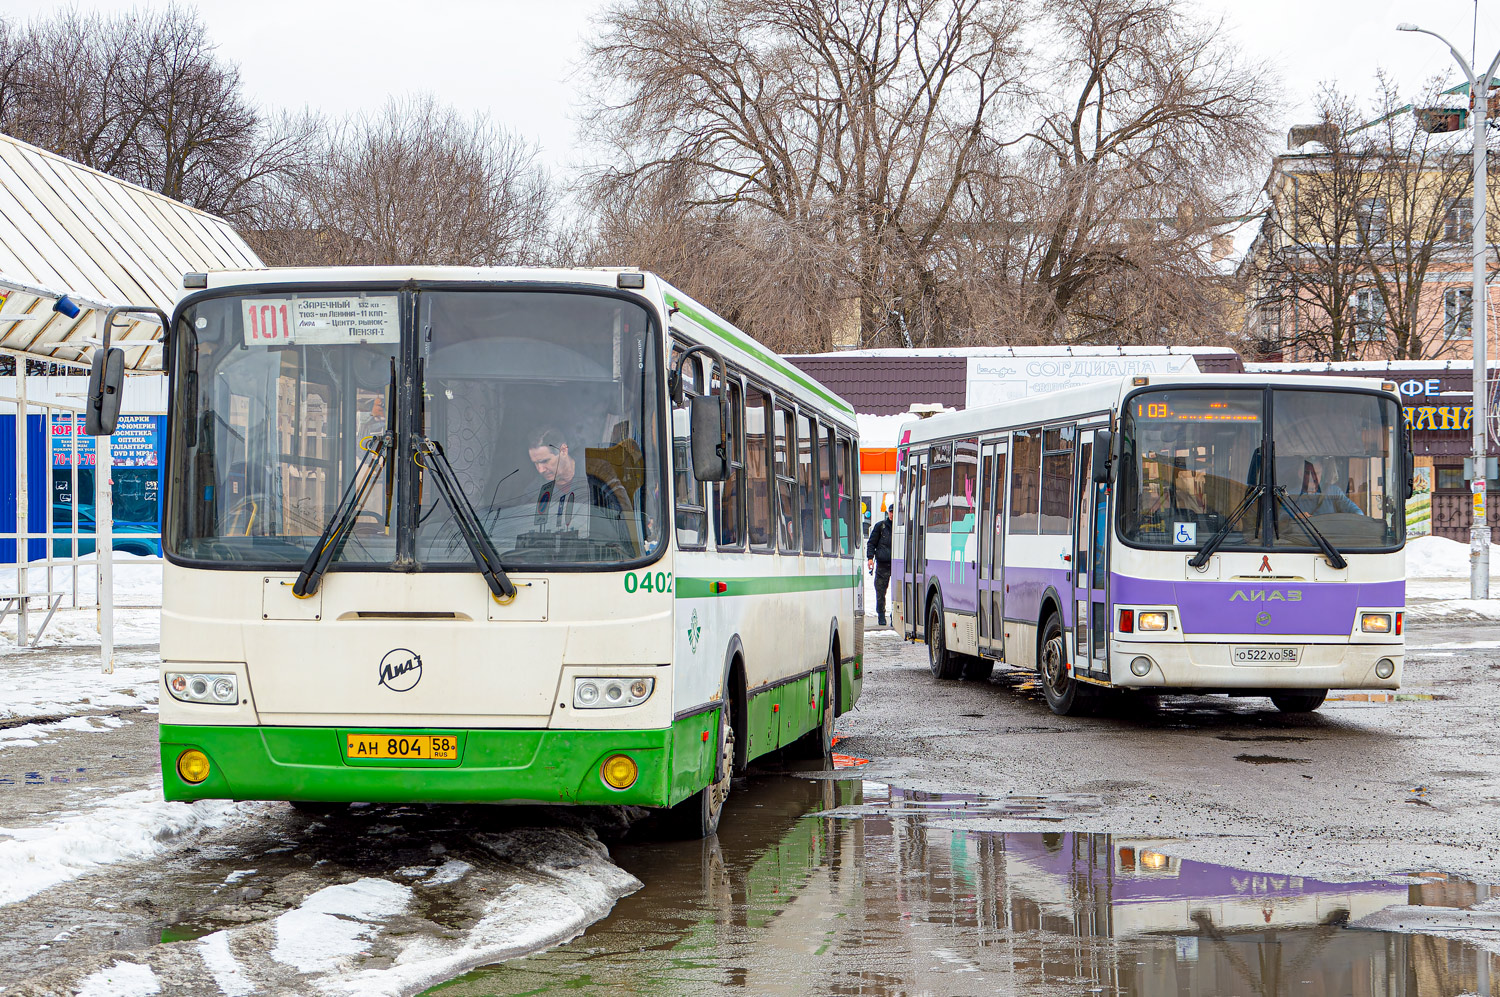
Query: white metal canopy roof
x=66 y=229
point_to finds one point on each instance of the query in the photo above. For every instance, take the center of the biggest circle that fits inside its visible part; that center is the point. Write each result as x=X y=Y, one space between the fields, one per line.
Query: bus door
x=914 y=557
x=1090 y=568
x=992 y=549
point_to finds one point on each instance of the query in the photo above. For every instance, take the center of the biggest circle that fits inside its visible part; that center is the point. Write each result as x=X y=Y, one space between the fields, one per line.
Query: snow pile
x=1436 y=557
x=130 y=826
x=123 y=979
x=575 y=885
x=334 y=924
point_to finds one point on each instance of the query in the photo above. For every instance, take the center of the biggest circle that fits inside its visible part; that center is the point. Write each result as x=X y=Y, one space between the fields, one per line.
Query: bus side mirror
x=1103 y=444
x=1411 y=474
x=710 y=446
x=106 y=383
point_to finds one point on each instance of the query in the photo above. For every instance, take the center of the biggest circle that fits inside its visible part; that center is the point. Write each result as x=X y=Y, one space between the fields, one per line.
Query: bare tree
x=1152 y=117
x=850 y=124
x=145 y=97
x=1423 y=182
x=1314 y=266
x=416 y=184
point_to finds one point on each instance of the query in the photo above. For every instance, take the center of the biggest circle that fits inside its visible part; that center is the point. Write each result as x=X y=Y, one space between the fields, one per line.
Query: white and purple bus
x=1191 y=533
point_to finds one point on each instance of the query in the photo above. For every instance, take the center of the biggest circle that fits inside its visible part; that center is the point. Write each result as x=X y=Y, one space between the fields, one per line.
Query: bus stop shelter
x=74 y=243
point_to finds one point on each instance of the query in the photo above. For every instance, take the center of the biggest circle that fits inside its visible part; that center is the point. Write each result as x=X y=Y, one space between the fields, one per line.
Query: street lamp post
x=1479 y=531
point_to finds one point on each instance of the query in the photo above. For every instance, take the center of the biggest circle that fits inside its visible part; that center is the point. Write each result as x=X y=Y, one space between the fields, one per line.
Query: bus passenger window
x=825 y=488
x=758 y=468
x=845 y=494
x=964 y=504
x=691 y=512
x=939 y=478
x=730 y=512
x=807 y=476
x=1025 y=481
x=1057 y=480
x=786 y=482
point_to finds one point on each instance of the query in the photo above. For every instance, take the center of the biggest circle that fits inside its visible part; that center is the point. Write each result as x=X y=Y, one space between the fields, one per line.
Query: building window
x=1369 y=316
x=1369 y=215
x=1450 y=479
x=1268 y=322
x=1458 y=313
x=1458 y=223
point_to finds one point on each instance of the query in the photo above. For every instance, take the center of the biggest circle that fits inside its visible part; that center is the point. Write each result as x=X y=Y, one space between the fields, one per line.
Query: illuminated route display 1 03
x=1193 y=409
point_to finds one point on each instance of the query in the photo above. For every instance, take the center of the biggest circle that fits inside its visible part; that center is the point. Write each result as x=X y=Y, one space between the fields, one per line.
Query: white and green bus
x=495 y=535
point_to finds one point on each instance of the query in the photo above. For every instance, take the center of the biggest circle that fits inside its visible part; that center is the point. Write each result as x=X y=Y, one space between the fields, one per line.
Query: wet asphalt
x=970 y=842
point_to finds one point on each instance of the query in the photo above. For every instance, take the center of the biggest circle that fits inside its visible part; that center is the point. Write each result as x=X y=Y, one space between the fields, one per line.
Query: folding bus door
x=914 y=556
x=992 y=549
x=1090 y=570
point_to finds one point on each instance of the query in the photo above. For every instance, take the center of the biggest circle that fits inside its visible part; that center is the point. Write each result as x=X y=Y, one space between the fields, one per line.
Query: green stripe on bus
x=702 y=588
x=751 y=348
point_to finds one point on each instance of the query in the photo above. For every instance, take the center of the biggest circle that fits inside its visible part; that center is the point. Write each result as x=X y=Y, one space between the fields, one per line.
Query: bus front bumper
x=492 y=766
x=1214 y=665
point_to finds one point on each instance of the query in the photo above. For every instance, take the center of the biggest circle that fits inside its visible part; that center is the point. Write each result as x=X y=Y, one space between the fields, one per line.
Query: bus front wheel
x=698 y=815
x=943 y=662
x=1302 y=701
x=1065 y=695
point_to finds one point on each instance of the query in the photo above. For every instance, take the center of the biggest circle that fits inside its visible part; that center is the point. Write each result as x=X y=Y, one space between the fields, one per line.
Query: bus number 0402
x=647 y=581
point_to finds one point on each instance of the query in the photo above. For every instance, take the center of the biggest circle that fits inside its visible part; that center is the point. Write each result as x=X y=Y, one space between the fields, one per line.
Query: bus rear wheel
x=944 y=663
x=698 y=816
x=1065 y=695
x=1302 y=701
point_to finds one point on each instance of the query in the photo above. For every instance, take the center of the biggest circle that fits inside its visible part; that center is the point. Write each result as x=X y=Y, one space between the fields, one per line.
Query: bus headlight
x=1375 y=623
x=1385 y=668
x=1151 y=621
x=607 y=693
x=203 y=687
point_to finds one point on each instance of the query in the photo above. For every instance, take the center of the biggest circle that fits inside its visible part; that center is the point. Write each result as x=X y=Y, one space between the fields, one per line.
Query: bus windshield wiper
x=1305 y=521
x=1212 y=543
x=342 y=521
x=480 y=547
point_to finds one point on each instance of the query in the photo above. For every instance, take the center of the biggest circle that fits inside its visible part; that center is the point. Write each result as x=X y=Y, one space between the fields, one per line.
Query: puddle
x=794 y=898
x=1271 y=760
x=1290 y=738
x=1386 y=697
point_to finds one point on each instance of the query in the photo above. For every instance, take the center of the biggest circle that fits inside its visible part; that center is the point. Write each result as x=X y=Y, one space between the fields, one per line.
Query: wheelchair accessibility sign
x=1185 y=533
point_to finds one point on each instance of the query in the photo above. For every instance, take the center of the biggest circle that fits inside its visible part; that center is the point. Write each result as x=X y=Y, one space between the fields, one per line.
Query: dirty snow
x=123 y=979
x=334 y=923
x=225 y=968
x=129 y=826
x=48 y=684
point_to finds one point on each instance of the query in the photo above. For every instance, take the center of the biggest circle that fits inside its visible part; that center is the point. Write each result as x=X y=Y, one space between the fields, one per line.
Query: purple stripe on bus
x=1024 y=588
x=1251 y=607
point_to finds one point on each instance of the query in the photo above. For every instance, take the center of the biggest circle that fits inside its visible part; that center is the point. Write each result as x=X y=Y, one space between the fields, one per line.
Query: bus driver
x=569 y=498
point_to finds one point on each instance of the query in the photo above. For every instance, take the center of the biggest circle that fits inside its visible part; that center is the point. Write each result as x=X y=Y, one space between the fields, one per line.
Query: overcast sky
x=515 y=58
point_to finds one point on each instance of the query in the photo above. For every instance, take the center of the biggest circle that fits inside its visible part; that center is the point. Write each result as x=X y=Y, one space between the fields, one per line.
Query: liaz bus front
x=414 y=541
x=1258 y=537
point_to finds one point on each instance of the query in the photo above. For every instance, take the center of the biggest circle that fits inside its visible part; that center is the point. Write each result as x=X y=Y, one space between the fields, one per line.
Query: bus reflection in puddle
x=799 y=895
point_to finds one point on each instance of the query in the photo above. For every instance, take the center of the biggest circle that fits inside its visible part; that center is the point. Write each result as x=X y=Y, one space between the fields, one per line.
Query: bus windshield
x=543 y=403
x=1190 y=458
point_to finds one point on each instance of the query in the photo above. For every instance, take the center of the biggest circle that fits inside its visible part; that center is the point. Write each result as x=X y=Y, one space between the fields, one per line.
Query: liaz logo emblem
x=400 y=670
x=1266 y=595
x=694 y=631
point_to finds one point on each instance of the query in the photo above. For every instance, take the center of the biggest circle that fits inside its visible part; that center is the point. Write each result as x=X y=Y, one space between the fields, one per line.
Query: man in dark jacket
x=878 y=556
